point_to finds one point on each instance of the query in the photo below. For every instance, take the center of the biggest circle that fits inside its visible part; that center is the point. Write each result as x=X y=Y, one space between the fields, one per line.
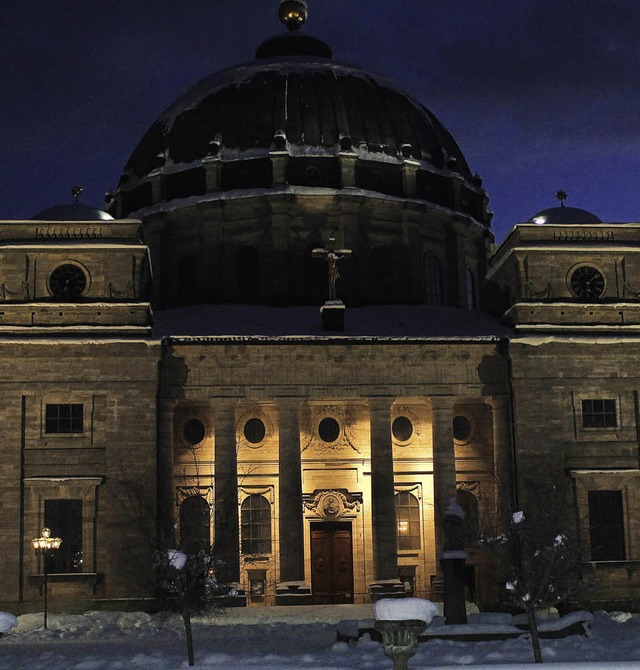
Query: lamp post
x=44 y=546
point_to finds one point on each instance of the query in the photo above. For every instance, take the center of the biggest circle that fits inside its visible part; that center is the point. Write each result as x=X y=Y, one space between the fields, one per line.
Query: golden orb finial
x=293 y=13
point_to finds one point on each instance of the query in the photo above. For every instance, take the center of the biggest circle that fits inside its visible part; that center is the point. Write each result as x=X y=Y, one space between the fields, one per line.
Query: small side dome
x=564 y=214
x=74 y=211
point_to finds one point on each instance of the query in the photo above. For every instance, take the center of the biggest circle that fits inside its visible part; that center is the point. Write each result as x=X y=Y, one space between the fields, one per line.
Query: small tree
x=539 y=557
x=187 y=584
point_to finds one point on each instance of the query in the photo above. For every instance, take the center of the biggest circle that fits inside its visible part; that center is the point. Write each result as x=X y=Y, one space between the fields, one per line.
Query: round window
x=193 y=431
x=402 y=428
x=461 y=429
x=329 y=429
x=254 y=430
x=67 y=282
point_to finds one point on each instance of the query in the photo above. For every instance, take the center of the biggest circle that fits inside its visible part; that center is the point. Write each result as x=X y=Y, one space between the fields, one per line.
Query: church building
x=293 y=336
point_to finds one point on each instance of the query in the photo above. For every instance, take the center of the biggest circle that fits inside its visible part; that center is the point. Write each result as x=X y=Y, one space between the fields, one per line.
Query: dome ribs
x=279 y=103
x=310 y=112
x=264 y=106
x=388 y=139
x=340 y=108
x=358 y=135
x=367 y=114
x=295 y=118
x=239 y=112
x=326 y=93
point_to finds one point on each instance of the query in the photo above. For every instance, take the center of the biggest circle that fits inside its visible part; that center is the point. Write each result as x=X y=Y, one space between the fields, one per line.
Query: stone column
x=409 y=177
x=444 y=464
x=502 y=457
x=227 y=531
x=348 y=160
x=166 y=488
x=290 y=493
x=385 y=551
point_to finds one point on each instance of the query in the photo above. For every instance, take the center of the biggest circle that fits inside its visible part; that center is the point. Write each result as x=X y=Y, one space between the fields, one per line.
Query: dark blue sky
x=541 y=95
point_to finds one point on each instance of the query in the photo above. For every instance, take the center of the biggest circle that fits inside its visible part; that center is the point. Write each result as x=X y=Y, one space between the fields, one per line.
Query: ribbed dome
x=313 y=103
x=307 y=106
x=74 y=211
x=564 y=214
x=252 y=170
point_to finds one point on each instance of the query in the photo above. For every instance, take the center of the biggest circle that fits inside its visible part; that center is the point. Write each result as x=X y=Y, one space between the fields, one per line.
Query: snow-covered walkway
x=286 y=639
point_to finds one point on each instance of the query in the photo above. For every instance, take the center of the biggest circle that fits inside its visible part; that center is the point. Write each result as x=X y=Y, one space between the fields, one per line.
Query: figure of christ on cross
x=332 y=256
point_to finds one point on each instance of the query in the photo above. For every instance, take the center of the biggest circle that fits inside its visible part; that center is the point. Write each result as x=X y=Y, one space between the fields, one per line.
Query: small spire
x=561 y=196
x=293 y=13
x=76 y=192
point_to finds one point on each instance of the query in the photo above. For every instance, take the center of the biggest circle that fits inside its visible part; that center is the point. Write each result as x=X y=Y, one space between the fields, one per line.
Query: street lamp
x=44 y=546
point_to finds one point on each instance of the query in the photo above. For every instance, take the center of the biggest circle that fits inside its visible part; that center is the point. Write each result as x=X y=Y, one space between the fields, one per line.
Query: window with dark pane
x=64 y=418
x=606 y=526
x=255 y=516
x=195 y=523
x=254 y=430
x=599 y=413
x=64 y=520
x=433 y=271
x=408 y=520
x=402 y=428
x=471 y=290
x=469 y=504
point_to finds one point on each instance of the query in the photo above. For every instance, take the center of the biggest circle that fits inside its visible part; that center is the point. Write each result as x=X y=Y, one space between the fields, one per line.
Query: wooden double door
x=331 y=563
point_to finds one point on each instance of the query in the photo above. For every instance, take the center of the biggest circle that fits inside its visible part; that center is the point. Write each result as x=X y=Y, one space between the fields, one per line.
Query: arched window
x=408 y=520
x=433 y=273
x=194 y=524
x=469 y=504
x=471 y=290
x=248 y=275
x=256 y=525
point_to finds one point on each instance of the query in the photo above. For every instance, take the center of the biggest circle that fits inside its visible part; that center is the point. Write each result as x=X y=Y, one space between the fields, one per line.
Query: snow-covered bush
x=7 y=622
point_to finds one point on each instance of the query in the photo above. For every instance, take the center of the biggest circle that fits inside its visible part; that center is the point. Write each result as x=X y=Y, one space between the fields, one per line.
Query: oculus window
x=64 y=418
x=329 y=429
x=255 y=515
x=462 y=429
x=67 y=282
x=408 y=520
x=402 y=428
x=255 y=430
x=599 y=413
x=194 y=431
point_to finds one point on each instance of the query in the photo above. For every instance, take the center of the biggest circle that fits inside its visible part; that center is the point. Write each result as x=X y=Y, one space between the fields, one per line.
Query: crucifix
x=332 y=256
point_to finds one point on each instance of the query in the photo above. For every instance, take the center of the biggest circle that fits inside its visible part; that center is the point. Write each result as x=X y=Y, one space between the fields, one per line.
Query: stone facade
x=168 y=379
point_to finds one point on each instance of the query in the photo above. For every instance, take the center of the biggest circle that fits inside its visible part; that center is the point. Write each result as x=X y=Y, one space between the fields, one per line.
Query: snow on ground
x=287 y=638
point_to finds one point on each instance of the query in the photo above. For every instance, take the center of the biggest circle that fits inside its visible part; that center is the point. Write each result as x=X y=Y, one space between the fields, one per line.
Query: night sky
x=541 y=95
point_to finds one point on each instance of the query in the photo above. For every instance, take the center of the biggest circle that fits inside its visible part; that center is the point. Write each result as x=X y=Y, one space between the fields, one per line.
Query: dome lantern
x=293 y=13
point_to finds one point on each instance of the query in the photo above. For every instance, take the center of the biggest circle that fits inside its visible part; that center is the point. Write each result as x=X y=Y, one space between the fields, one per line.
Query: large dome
x=290 y=99
x=254 y=167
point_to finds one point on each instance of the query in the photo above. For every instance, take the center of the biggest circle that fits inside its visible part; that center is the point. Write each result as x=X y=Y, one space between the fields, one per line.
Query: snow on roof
x=372 y=323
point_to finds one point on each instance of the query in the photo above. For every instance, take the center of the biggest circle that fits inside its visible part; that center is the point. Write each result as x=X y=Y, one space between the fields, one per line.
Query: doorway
x=331 y=563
